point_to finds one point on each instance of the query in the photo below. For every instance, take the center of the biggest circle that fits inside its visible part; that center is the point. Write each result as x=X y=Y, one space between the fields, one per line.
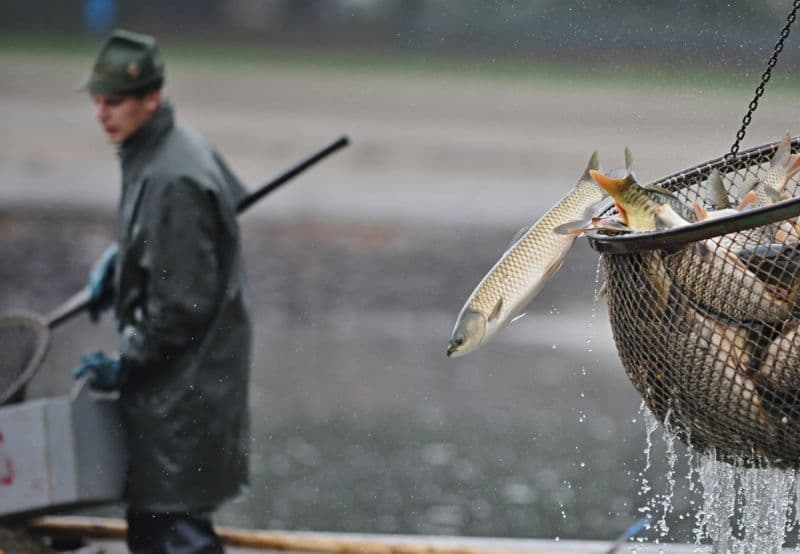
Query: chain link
x=765 y=77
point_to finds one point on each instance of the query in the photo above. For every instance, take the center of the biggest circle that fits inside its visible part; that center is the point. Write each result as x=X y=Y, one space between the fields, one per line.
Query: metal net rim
x=749 y=219
x=38 y=325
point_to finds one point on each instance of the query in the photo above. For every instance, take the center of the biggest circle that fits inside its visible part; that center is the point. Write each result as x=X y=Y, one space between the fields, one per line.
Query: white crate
x=56 y=452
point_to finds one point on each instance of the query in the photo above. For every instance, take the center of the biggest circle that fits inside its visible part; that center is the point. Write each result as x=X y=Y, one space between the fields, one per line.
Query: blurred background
x=467 y=120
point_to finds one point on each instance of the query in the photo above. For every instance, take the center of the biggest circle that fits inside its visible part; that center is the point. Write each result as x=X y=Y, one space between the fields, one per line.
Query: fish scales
x=522 y=270
x=514 y=276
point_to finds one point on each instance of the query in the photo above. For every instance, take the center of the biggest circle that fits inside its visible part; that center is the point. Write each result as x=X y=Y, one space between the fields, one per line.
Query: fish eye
x=459 y=341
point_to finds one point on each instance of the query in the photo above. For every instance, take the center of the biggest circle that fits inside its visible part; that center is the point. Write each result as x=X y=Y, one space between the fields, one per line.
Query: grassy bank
x=237 y=56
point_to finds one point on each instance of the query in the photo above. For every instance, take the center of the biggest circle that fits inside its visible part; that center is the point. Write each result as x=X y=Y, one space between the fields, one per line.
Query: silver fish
x=686 y=360
x=711 y=275
x=721 y=360
x=522 y=270
x=781 y=367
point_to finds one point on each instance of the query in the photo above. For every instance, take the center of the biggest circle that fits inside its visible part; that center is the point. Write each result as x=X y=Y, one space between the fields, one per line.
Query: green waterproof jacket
x=184 y=328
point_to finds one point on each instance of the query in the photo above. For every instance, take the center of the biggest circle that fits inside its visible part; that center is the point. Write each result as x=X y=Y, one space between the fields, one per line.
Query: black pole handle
x=271 y=185
x=74 y=305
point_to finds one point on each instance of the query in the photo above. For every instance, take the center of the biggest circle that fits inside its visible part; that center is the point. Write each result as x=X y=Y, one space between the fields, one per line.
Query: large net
x=705 y=320
x=23 y=344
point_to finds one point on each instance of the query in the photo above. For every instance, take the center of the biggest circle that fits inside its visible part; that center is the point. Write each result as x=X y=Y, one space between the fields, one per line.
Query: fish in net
x=706 y=317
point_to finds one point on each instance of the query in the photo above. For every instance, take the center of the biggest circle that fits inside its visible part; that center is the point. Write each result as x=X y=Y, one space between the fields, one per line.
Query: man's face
x=120 y=116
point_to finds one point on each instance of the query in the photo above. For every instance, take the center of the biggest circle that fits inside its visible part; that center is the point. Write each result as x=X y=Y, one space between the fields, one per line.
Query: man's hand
x=106 y=371
x=101 y=283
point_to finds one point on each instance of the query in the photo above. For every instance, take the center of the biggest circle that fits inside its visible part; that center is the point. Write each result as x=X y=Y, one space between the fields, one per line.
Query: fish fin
x=628 y=159
x=585 y=223
x=790 y=326
x=750 y=197
x=518 y=235
x=667 y=218
x=609 y=225
x=573 y=227
x=596 y=224
x=612 y=226
x=715 y=190
x=792 y=167
x=594 y=164
x=749 y=184
x=496 y=310
x=778 y=292
x=553 y=268
x=657 y=188
x=774 y=195
x=782 y=154
x=520 y=316
x=703 y=249
x=700 y=212
x=609 y=184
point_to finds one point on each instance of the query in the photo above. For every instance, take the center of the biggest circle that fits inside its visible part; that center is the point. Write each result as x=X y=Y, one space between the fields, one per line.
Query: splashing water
x=744 y=510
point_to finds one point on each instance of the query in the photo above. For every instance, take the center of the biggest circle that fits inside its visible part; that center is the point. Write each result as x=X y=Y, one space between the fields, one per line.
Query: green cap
x=128 y=62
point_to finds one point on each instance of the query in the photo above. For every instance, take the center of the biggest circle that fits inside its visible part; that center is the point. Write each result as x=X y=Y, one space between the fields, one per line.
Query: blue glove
x=101 y=283
x=107 y=374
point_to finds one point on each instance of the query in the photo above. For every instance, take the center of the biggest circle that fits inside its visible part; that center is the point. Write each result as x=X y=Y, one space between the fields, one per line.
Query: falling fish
x=611 y=224
x=523 y=269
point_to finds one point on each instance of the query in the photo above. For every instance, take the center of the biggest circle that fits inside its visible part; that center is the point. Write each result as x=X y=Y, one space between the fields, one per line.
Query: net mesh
x=708 y=332
x=23 y=344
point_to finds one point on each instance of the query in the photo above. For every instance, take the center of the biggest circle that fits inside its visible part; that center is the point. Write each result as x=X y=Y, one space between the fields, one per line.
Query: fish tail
x=781 y=157
x=792 y=167
x=750 y=197
x=700 y=212
x=573 y=228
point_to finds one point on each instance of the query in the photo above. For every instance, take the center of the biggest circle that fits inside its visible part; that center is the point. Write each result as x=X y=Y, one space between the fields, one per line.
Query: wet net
x=23 y=344
x=705 y=318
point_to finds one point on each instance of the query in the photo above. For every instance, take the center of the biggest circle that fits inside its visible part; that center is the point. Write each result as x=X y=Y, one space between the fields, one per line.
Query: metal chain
x=765 y=77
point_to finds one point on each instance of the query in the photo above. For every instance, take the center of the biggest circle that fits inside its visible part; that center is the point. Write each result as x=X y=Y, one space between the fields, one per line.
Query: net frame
x=30 y=334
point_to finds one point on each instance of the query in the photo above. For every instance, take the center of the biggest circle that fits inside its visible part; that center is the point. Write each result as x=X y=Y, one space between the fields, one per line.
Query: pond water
x=359 y=421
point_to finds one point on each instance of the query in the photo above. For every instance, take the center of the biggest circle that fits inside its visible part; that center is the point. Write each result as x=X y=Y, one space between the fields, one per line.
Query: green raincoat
x=183 y=321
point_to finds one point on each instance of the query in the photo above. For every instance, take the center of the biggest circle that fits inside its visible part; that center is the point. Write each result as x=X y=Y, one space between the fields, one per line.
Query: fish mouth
x=452 y=348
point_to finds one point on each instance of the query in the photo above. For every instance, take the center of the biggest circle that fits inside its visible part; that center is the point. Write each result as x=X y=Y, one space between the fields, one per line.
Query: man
x=176 y=283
